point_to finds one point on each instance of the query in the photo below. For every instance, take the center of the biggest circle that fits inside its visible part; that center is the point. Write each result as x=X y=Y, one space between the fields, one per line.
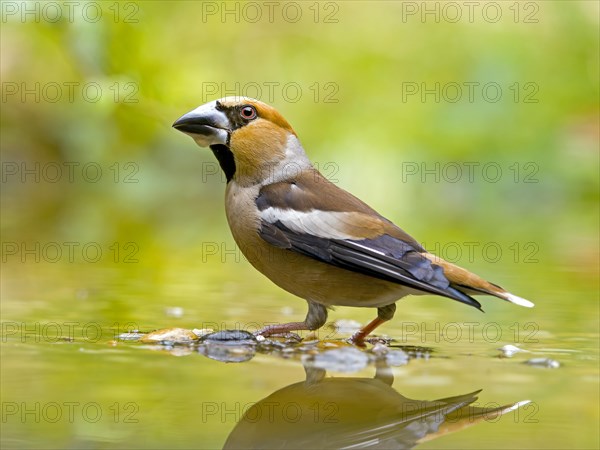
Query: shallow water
x=113 y=222
x=72 y=376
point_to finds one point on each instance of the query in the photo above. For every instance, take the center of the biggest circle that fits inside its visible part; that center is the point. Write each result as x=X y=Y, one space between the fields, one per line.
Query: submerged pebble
x=543 y=362
x=397 y=358
x=345 y=359
x=379 y=349
x=174 y=311
x=509 y=350
x=239 y=346
x=180 y=351
x=228 y=346
x=227 y=352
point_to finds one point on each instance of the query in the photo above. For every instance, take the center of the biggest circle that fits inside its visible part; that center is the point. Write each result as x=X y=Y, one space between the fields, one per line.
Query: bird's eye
x=248 y=113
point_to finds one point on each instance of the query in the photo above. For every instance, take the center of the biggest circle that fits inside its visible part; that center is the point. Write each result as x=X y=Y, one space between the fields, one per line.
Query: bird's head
x=251 y=140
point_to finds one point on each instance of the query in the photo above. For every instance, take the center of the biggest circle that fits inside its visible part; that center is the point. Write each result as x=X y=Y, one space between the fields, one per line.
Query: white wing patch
x=323 y=224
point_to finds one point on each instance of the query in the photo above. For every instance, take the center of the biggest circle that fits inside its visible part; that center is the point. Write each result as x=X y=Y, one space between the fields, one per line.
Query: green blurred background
x=379 y=93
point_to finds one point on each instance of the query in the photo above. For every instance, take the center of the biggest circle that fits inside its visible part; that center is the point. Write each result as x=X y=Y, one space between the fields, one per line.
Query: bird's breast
x=298 y=274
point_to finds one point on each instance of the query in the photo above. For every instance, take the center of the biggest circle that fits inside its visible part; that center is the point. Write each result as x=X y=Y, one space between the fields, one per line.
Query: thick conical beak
x=205 y=124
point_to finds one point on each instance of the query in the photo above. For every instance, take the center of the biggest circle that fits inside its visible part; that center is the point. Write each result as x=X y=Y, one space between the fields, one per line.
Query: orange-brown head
x=250 y=139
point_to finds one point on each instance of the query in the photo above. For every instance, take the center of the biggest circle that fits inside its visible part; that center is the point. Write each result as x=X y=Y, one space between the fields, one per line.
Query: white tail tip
x=516 y=406
x=518 y=300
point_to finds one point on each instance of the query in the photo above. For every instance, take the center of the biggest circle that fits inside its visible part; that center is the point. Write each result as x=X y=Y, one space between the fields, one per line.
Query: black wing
x=384 y=257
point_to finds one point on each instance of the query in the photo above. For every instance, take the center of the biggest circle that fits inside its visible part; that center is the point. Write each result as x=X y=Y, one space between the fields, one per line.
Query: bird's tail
x=504 y=295
x=469 y=283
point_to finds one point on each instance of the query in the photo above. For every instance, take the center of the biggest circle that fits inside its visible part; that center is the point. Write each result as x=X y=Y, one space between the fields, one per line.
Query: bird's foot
x=288 y=338
x=358 y=339
x=283 y=330
x=362 y=342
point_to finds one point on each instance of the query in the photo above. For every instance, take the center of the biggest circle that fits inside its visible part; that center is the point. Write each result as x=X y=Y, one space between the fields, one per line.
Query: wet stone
x=226 y=337
x=131 y=336
x=202 y=331
x=228 y=351
x=228 y=346
x=171 y=336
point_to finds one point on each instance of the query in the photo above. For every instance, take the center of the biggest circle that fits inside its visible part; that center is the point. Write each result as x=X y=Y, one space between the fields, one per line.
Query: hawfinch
x=309 y=236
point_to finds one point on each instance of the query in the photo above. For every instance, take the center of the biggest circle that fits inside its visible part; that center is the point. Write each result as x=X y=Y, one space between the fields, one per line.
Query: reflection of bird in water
x=353 y=413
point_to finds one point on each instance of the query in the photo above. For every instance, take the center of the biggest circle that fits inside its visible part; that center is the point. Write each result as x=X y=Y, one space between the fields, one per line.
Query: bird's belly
x=325 y=284
x=298 y=274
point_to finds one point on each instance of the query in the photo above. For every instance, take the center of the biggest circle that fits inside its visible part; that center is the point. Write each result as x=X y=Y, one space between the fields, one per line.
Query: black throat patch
x=225 y=158
x=222 y=152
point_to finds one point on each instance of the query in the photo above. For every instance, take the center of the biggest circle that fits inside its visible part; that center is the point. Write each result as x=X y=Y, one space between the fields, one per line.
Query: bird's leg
x=315 y=318
x=358 y=338
x=384 y=314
